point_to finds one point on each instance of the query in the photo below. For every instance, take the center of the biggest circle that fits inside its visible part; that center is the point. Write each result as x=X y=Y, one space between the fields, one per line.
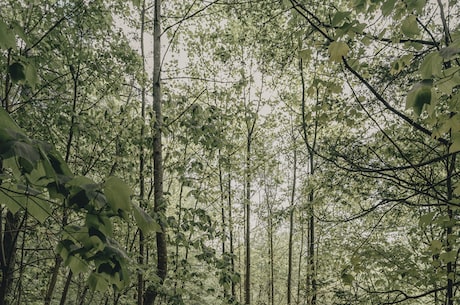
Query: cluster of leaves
x=35 y=179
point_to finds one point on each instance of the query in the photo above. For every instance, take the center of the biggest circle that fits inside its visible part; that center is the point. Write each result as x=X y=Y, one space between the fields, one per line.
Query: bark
x=230 y=223
x=159 y=204
x=291 y=228
x=311 y=148
x=247 y=206
x=140 y=259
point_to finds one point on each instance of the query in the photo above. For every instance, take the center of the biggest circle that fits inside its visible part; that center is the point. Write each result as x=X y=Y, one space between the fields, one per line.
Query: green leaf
x=409 y=26
x=435 y=246
x=419 y=96
x=347 y=278
x=76 y=264
x=387 y=7
x=98 y=282
x=7 y=38
x=11 y=200
x=449 y=52
x=117 y=194
x=305 y=55
x=39 y=208
x=448 y=257
x=431 y=66
x=426 y=219
x=416 y=5
x=144 y=221
x=337 y=50
x=455 y=145
x=339 y=18
x=17 y=72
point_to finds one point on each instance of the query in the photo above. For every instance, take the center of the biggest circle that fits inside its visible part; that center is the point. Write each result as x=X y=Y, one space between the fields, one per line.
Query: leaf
x=17 y=72
x=97 y=282
x=339 y=17
x=431 y=66
x=76 y=264
x=10 y=199
x=419 y=96
x=435 y=246
x=7 y=39
x=416 y=5
x=144 y=221
x=117 y=194
x=448 y=257
x=305 y=55
x=387 y=7
x=39 y=208
x=426 y=219
x=409 y=26
x=449 y=52
x=455 y=146
x=337 y=50
x=347 y=278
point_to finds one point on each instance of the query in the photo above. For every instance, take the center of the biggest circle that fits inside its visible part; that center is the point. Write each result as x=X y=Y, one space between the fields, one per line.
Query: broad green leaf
x=448 y=257
x=449 y=52
x=76 y=264
x=387 y=7
x=100 y=222
x=17 y=72
x=9 y=128
x=31 y=76
x=416 y=5
x=144 y=221
x=419 y=96
x=117 y=194
x=7 y=39
x=435 y=246
x=426 y=219
x=455 y=146
x=431 y=66
x=337 y=50
x=409 y=26
x=39 y=208
x=339 y=18
x=98 y=282
x=347 y=278
x=305 y=55
x=11 y=200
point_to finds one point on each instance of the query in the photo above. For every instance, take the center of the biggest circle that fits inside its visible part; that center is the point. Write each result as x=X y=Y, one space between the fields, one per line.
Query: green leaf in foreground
x=144 y=221
x=117 y=194
x=337 y=50
x=419 y=96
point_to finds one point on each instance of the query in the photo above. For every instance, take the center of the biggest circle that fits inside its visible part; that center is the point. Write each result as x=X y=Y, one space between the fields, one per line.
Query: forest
x=256 y=152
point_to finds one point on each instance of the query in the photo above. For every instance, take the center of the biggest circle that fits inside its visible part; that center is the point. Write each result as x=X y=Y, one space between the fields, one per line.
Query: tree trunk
x=230 y=229
x=291 y=227
x=247 y=206
x=140 y=259
x=311 y=270
x=159 y=204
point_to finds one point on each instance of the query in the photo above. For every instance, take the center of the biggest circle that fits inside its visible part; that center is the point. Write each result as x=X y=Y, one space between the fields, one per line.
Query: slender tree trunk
x=8 y=240
x=291 y=227
x=271 y=253
x=247 y=206
x=311 y=270
x=8 y=255
x=449 y=230
x=159 y=204
x=230 y=229
x=299 y=283
x=58 y=260
x=140 y=259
